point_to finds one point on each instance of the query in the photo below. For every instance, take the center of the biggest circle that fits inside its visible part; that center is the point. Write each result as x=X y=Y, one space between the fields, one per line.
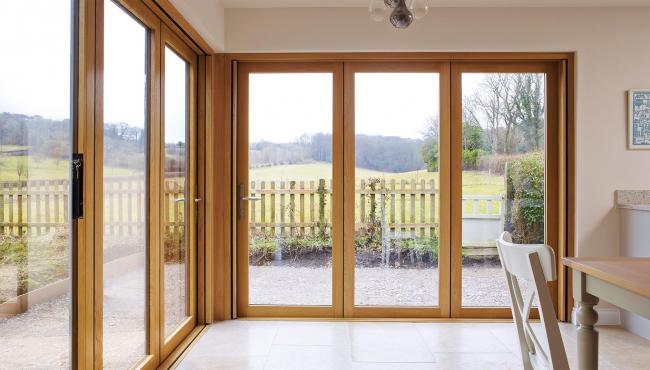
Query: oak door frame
x=243 y=308
x=350 y=309
x=552 y=187
x=226 y=303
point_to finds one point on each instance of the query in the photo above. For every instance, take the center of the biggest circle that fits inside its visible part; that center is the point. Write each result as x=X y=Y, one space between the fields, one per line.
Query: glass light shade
x=401 y=17
x=378 y=11
x=419 y=8
x=391 y=3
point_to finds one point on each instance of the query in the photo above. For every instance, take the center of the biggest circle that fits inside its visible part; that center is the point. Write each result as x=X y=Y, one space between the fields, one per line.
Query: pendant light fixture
x=399 y=13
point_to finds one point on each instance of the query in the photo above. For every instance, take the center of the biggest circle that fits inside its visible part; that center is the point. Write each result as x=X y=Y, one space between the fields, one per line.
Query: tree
x=430 y=148
x=472 y=143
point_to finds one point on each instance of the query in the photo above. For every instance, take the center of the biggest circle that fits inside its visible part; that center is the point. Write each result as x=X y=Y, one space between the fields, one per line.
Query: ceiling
x=440 y=3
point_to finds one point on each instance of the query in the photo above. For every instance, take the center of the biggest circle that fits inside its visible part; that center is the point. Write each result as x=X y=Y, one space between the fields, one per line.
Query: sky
x=36 y=79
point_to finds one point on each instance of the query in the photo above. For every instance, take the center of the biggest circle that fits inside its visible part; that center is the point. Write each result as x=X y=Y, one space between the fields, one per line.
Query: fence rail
x=283 y=208
x=41 y=206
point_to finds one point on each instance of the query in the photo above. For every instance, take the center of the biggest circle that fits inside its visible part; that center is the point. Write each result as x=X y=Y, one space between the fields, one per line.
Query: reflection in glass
x=290 y=181
x=396 y=186
x=124 y=188
x=175 y=193
x=503 y=143
x=35 y=150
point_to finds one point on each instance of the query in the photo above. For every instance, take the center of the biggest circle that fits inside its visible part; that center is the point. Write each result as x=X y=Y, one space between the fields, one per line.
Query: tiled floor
x=303 y=345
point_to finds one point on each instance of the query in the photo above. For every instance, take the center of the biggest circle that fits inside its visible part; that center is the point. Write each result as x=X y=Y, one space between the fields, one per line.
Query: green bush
x=525 y=182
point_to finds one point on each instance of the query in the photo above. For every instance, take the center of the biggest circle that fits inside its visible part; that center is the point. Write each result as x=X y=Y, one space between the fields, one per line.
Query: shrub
x=525 y=183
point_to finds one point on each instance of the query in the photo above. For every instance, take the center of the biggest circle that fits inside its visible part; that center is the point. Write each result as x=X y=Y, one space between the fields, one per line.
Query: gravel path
x=39 y=338
x=483 y=285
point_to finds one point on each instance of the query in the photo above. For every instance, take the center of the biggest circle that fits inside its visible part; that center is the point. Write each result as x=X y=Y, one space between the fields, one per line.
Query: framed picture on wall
x=639 y=119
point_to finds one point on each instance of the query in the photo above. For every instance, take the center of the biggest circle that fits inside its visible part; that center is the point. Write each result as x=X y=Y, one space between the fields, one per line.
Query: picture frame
x=638 y=119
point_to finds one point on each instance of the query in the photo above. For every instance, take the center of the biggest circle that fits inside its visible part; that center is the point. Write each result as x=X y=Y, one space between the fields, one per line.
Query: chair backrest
x=534 y=263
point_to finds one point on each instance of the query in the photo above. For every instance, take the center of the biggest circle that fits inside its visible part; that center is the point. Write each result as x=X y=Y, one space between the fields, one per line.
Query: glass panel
x=175 y=206
x=396 y=186
x=35 y=150
x=504 y=122
x=290 y=171
x=125 y=194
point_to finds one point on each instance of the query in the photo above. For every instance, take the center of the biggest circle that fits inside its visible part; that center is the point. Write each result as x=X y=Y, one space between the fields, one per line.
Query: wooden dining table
x=624 y=282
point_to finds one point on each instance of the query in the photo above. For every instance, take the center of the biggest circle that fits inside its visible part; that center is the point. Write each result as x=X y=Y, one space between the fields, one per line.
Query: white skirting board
x=607 y=316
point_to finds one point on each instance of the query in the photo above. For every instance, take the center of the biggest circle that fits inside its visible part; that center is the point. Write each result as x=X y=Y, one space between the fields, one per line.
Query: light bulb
x=378 y=11
x=419 y=8
x=401 y=17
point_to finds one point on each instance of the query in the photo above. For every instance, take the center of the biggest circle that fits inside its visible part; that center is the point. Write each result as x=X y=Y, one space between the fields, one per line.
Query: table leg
x=586 y=318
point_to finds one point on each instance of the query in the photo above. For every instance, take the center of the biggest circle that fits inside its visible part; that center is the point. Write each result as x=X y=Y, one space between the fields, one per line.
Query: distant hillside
x=379 y=153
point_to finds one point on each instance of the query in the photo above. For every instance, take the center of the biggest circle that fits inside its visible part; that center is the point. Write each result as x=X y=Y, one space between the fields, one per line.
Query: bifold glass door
x=148 y=193
x=289 y=192
x=36 y=147
x=396 y=172
x=505 y=171
x=438 y=159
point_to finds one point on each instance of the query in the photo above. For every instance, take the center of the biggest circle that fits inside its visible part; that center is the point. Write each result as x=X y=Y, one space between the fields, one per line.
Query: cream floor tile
x=313 y=333
x=236 y=339
x=284 y=357
x=223 y=363
x=479 y=361
x=390 y=346
x=388 y=342
x=452 y=337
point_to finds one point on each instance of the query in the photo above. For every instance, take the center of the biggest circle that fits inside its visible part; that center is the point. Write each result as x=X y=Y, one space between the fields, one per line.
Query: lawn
x=40 y=168
x=474 y=182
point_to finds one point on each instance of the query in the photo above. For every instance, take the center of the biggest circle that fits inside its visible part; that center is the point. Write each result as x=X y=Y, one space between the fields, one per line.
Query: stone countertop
x=633 y=199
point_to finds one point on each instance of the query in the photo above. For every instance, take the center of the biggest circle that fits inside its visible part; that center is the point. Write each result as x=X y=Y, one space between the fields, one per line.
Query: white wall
x=613 y=55
x=207 y=18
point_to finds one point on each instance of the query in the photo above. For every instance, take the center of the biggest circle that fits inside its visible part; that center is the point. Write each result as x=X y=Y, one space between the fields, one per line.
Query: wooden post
x=302 y=208
x=393 y=194
x=423 y=187
x=402 y=196
x=412 y=213
x=292 y=207
x=432 y=208
x=312 y=208
x=321 y=207
x=272 y=204
x=263 y=205
x=282 y=205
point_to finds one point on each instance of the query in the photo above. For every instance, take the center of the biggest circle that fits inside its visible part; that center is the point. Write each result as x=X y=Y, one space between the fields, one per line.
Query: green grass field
x=474 y=182
x=46 y=169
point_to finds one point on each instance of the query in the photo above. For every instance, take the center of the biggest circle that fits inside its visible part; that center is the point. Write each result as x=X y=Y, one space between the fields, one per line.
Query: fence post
x=263 y=205
x=302 y=208
x=321 y=207
x=432 y=208
x=312 y=208
x=282 y=205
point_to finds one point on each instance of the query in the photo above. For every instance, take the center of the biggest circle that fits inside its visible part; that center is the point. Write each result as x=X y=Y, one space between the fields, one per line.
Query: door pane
x=35 y=151
x=124 y=188
x=396 y=187
x=290 y=171
x=176 y=286
x=503 y=141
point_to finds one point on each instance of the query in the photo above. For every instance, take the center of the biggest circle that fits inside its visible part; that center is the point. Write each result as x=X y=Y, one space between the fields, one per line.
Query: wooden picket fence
x=41 y=206
x=304 y=207
x=284 y=208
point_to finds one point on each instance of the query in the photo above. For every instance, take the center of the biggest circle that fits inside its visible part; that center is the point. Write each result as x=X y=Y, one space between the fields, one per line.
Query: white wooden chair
x=534 y=263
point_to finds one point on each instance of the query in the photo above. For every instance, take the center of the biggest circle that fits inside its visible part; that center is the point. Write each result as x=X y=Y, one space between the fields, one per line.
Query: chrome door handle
x=251 y=198
x=178 y=200
x=197 y=200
